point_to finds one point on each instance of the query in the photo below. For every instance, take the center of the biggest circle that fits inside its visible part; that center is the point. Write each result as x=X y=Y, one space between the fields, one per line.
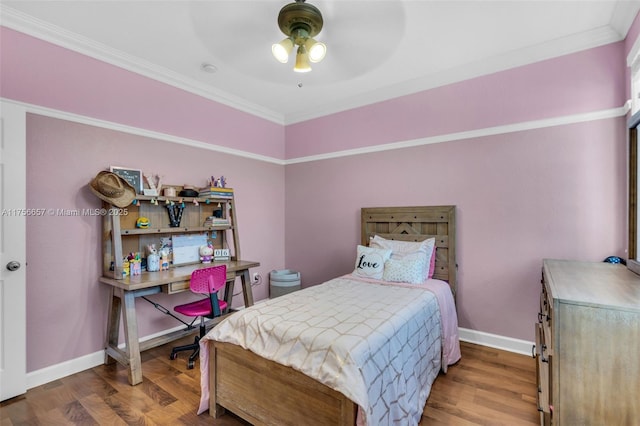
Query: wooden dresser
x=588 y=344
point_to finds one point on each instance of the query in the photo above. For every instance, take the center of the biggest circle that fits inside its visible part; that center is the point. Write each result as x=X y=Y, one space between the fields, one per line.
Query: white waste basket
x=283 y=281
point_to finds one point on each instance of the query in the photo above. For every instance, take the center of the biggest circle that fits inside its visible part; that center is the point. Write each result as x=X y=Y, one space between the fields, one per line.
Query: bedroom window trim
x=633 y=263
x=633 y=251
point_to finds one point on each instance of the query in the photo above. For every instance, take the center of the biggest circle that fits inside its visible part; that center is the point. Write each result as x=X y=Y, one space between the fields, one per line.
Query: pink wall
x=40 y=73
x=521 y=196
x=572 y=84
x=64 y=252
x=67 y=305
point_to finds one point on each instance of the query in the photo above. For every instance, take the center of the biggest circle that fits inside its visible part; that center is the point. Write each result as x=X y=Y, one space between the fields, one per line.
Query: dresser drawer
x=177 y=287
x=543 y=377
x=546 y=316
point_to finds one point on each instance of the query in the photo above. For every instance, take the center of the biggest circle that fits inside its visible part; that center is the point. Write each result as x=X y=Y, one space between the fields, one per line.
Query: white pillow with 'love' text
x=370 y=262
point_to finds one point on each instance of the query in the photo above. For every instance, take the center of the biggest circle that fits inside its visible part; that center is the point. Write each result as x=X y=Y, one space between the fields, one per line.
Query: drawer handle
x=542 y=317
x=538 y=406
x=542 y=358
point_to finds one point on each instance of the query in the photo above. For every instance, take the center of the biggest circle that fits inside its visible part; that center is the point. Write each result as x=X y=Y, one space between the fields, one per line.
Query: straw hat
x=113 y=189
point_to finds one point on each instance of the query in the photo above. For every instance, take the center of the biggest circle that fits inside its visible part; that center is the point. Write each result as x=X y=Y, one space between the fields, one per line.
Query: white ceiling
x=376 y=49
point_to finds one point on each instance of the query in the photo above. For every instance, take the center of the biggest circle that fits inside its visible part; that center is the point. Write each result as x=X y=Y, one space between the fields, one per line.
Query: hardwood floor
x=487 y=387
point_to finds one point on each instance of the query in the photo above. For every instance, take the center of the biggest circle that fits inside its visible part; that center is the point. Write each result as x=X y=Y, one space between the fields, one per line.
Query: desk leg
x=113 y=325
x=131 y=338
x=228 y=293
x=247 y=291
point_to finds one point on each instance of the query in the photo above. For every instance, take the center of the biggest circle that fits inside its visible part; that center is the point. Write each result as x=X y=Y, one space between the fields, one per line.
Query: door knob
x=13 y=265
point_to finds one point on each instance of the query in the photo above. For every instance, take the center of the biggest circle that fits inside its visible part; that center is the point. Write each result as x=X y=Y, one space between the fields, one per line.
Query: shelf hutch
x=120 y=236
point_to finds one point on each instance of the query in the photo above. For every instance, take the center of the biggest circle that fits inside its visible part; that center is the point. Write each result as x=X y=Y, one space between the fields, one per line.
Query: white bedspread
x=378 y=344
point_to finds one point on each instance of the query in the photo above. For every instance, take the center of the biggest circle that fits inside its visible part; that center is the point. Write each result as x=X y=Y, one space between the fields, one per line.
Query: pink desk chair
x=203 y=281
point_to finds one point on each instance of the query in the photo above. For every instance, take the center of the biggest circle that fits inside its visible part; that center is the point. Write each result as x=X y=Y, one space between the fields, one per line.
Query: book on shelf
x=210 y=194
x=216 y=221
x=215 y=189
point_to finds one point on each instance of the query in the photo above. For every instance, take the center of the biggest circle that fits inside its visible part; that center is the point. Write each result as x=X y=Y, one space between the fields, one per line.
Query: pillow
x=370 y=262
x=415 y=250
x=406 y=270
x=432 y=264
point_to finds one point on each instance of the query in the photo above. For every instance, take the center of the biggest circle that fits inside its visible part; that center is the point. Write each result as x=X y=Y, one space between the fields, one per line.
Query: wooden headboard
x=417 y=224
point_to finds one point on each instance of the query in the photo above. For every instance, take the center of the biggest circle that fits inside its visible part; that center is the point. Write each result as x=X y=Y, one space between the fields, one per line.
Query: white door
x=13 y=348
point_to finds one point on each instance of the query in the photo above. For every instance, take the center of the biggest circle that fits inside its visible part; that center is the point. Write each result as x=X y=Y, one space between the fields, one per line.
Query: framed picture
x=133 y=176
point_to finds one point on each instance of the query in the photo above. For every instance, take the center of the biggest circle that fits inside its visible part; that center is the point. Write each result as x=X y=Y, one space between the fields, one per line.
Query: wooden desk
x=123 y=293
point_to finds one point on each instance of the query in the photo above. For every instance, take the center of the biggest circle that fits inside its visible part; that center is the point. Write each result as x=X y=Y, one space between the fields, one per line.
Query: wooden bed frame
x=264 y=392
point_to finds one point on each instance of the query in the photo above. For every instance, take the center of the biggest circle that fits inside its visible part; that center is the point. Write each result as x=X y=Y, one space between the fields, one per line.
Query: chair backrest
x=208 y=280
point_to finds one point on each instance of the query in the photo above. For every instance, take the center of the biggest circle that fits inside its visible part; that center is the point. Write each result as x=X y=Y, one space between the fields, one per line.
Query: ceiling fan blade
x=237 y=29
x=360 y=36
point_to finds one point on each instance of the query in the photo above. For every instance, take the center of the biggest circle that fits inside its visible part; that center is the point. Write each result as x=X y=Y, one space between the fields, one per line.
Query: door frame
x=13 y=371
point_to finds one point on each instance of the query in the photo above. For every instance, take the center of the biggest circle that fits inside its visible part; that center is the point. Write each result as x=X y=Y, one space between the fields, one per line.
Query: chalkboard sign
x=133 y=176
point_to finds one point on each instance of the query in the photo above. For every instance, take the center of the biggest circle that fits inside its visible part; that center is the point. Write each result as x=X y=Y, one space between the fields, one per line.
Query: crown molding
x=624 y=14
x=27 y=24
x=620 y=23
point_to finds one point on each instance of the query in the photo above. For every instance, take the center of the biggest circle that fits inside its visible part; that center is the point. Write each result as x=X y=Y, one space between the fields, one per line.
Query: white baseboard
x=67 y=368
x=495 y=341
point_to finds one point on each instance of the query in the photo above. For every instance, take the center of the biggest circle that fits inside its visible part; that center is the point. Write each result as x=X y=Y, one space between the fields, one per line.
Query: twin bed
x=361 y=349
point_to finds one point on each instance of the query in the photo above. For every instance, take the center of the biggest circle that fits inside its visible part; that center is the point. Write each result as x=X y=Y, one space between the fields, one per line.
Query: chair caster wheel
x=173 y=356
x=190 y=365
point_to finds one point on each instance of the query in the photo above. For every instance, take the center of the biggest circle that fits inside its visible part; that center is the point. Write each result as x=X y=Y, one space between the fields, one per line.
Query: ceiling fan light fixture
x=300 y=22
x=316 y=50
x=302 y=60
x=282 y=50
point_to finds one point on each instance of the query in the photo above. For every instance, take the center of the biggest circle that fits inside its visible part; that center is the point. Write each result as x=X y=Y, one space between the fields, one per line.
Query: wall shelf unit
x=120 y=235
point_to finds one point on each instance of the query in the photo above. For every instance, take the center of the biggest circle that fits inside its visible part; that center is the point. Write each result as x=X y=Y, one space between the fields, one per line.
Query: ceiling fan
x=356 y=44
x=300 y=22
